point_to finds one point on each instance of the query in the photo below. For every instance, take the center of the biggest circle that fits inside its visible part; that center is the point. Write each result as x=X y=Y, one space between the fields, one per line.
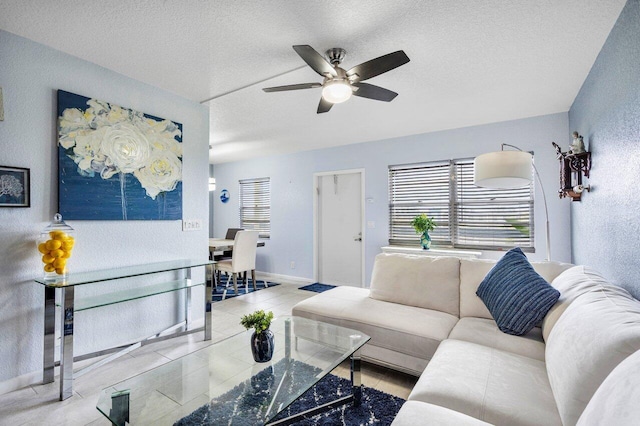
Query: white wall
x=30 y=74
x=292 y=186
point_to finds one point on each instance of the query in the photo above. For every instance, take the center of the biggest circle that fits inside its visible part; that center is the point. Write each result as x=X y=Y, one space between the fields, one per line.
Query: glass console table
x=69 y=304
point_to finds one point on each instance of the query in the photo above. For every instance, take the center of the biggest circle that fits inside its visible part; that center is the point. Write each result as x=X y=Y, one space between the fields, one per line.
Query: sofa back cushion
x=571 y=283
x=473 y=271
x=598 y=330
x=421 y=281
x=616 y=400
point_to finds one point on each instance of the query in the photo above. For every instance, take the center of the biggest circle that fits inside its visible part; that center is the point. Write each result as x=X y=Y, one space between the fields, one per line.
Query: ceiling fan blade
x=377 y=66
x=292 y=87
x=315 y=60
x=366 y=90
x=324 y=106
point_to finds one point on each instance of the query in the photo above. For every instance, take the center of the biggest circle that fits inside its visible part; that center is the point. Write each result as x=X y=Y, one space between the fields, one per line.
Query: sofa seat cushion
x=515 y=294
x=616 y=400
x=489 y=384
x=420 y=281
x=405 y=329
x=485 y=332
x=598 y=330
x=415 y=413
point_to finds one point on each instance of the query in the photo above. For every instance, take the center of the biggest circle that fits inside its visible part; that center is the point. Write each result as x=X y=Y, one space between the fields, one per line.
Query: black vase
x=262 y=346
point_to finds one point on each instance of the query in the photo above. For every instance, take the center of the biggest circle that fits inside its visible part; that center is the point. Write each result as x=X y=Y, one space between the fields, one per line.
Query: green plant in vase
x=422 y=225
x=262 y=338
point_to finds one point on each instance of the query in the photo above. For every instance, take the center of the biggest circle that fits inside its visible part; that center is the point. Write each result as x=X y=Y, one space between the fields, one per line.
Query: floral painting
x=116 y=163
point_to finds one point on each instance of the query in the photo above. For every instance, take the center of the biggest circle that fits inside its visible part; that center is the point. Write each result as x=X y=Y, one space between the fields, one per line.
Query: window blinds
x=467 y=216
x=255 y=205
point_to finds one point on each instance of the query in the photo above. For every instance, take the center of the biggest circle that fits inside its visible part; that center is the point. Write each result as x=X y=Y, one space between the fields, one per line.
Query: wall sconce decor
x=574 y=164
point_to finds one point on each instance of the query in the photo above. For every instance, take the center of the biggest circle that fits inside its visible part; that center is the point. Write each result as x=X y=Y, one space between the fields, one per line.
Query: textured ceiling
x=472 y=62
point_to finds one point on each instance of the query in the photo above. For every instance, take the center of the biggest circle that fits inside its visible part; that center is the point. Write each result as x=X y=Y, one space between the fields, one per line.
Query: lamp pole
x=544 y=198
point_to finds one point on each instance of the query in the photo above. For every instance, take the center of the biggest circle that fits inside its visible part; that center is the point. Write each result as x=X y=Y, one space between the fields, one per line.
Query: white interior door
x=339 y=228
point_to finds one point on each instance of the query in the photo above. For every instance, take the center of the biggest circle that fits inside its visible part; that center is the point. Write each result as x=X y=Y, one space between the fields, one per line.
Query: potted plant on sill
x=262 y=337
x=423 y=224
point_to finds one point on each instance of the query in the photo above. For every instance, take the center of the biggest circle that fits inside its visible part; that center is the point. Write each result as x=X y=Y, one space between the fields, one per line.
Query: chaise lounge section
x=424 y=318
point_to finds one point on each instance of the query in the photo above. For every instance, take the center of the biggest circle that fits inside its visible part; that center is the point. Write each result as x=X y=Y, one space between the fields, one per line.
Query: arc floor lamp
x=508 y=170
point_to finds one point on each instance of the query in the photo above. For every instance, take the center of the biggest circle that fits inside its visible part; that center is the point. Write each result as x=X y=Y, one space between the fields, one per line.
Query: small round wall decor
x=224 y=196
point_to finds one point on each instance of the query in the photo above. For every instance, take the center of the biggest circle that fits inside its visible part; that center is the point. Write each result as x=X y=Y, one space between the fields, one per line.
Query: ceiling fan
x=338 y=85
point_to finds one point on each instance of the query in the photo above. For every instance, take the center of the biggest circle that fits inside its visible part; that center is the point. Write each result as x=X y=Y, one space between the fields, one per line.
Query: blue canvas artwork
x=116 y=163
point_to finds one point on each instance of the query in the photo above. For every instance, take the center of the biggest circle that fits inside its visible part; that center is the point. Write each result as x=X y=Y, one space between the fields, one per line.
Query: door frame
x=316 y=228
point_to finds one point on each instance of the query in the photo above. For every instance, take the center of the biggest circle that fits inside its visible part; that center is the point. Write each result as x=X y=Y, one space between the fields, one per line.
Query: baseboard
x=33 y=378
x=278 y=277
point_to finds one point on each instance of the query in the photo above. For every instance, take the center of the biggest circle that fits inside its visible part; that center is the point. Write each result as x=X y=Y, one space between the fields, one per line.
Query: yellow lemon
x=53 y=244
x=47 y=258
x=60 y=271
x=67 y=245
x=60 y=263
x=57 y=235
x=42 y=248
x=49 y=268
x=67 y=254
x=56 y=253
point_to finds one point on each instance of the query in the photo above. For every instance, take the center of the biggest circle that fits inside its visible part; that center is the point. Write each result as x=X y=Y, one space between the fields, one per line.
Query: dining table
x=224 y=244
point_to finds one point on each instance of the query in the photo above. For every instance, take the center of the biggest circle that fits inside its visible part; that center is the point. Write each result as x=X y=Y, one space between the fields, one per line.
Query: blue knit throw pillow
x=517 y=297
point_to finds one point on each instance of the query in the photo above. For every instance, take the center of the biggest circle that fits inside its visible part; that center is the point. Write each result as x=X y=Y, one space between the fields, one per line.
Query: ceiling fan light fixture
x=336 y=91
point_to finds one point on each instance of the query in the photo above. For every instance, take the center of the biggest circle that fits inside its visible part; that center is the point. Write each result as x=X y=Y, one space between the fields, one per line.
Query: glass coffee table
x=222 y=384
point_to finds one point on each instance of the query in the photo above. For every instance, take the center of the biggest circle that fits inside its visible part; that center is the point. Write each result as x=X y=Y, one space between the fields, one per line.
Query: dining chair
x=243 y=259
x=231 y=234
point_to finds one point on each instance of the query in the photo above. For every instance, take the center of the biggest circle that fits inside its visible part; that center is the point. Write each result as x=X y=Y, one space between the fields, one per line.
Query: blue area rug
x=317 y=287
x=240 y=406
x=217 y=294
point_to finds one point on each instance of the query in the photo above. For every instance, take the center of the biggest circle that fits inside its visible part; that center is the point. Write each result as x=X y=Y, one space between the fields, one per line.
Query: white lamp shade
x=503 y=169
x=336 y=91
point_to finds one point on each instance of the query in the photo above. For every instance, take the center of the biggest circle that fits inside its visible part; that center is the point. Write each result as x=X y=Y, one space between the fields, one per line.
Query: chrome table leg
x=49 y=334
x=66 y=345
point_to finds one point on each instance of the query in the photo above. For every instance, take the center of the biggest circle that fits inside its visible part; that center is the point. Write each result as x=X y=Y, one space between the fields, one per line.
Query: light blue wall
x=292 y=186
x=606 y=224
x=30 y=74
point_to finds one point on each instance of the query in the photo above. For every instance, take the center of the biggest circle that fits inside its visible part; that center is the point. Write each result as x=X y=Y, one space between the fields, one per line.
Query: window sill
x=464 y=254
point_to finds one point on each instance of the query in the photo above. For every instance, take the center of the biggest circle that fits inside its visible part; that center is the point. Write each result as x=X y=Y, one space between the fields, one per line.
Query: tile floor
x=39 y=404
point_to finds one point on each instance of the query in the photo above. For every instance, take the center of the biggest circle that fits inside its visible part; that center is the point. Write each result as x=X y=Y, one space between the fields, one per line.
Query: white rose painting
x=117 y=163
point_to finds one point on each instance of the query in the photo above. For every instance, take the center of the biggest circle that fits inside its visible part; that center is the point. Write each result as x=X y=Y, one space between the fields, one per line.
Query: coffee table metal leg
x=66 y=345
x=119 y=413
x=287 y=338
x=356 y=378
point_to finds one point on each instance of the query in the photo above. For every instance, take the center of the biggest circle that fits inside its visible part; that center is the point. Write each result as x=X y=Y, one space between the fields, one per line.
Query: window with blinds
x=467 y=216
x=255 y=205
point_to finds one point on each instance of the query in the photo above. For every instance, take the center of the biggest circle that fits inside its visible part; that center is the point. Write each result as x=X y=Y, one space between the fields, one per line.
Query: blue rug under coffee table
x=317 y=287
x=217 y=293
x=240 y=405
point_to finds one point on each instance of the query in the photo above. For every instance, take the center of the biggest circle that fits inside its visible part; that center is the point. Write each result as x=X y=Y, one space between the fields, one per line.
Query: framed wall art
x=116 y=163
x=15 y=187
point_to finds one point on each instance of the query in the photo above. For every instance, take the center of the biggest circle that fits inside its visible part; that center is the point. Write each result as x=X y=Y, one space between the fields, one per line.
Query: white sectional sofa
x=581 y=366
